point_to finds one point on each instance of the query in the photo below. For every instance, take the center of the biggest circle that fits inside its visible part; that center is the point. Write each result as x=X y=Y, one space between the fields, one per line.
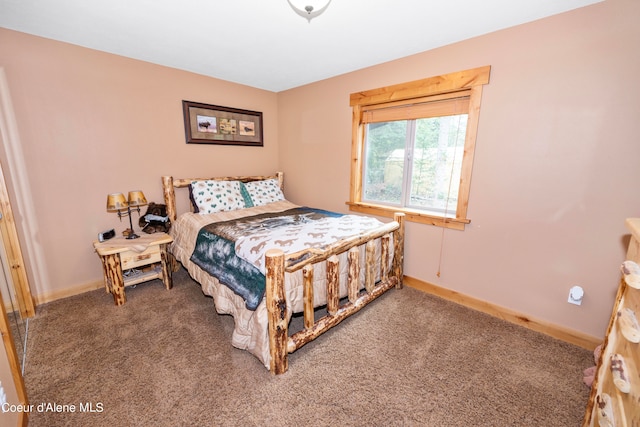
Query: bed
x=296 y=259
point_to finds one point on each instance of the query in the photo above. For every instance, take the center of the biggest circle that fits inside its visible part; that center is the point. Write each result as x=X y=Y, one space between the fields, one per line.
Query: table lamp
x=117 y=203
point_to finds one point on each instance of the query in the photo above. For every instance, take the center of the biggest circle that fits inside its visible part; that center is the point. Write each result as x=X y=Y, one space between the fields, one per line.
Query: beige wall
x=556 y=165
x=91 y=123
x=553 y=180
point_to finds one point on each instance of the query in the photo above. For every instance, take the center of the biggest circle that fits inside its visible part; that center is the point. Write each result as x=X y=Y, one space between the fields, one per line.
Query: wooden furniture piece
x=16 y=279
x=11 y=376
x=120 y=255
x=276 y=308
x=615 y=392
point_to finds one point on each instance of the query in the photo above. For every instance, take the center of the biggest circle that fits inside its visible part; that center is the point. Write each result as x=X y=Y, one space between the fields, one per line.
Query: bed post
x=169 y=197
x=398 y=245
x=170 y=201
x=280 y=176
x=276 y=311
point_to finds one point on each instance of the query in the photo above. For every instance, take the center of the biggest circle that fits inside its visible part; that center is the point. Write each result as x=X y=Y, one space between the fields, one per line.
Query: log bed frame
x=277 y=264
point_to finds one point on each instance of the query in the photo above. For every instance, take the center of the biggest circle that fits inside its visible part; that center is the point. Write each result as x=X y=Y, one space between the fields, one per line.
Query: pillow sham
x=264 y=191
x=211 y=196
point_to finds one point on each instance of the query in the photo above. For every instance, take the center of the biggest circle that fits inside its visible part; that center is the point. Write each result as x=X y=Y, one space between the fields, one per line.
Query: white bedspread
x=302 y=236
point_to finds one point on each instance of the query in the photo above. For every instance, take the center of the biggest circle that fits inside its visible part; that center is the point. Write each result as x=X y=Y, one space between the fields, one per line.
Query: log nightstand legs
x=120 y=255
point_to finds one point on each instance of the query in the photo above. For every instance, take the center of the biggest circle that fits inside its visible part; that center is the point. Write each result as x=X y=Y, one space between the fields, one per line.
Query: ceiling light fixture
x=311 y=9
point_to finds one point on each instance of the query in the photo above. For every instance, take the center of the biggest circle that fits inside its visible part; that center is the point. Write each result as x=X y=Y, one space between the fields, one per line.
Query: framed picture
x=212 y=124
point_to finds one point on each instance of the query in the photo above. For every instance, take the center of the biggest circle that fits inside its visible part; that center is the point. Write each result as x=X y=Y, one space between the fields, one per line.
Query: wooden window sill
x=413 y=215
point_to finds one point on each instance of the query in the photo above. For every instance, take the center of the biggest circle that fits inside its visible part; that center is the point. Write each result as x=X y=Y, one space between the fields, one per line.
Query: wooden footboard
x=276 y=264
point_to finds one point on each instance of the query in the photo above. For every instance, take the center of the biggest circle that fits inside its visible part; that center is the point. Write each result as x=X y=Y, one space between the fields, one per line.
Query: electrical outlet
x=575 y=295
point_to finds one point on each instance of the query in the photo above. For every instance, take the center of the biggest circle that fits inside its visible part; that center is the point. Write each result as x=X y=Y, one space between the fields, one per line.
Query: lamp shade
x=136 y=198
x=116 y=202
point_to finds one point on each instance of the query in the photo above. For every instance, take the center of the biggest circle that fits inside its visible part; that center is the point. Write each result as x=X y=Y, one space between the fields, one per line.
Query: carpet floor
x=409 y=359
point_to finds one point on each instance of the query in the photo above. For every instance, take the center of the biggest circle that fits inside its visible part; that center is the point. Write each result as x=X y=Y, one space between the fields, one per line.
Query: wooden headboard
x=169 y=185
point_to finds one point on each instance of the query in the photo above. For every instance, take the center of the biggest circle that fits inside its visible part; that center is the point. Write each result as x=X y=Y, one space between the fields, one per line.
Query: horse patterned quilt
x=233 y=250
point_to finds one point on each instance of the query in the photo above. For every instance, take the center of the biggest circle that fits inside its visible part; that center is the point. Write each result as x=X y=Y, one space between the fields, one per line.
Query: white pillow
x=265 y=191
x=211 y=196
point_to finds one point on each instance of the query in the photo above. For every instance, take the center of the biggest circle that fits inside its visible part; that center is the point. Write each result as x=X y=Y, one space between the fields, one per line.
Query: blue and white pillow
x=211 y=196
x=264 y=191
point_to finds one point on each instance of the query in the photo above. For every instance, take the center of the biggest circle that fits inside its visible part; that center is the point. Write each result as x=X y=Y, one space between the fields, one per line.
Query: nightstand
x=128 y=262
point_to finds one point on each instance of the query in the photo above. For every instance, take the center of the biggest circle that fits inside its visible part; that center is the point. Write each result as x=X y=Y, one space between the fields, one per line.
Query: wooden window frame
x=470 y=81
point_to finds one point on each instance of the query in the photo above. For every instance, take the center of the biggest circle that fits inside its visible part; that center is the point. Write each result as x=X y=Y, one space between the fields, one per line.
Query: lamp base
x=129 y=234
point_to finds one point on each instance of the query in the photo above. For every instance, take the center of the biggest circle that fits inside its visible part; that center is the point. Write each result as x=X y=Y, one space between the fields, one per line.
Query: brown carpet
x=409 y=359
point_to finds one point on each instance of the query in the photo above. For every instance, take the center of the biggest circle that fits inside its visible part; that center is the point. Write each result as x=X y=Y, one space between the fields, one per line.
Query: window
x=413 y=148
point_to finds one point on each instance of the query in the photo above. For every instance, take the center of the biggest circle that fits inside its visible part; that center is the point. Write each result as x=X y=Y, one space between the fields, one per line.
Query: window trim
x=471 y=80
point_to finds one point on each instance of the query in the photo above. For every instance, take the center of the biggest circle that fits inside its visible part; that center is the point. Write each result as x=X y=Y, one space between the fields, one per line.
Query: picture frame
x=214 y=124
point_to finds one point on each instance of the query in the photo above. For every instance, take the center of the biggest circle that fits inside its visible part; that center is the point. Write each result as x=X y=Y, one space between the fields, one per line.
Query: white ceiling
x=263 y=43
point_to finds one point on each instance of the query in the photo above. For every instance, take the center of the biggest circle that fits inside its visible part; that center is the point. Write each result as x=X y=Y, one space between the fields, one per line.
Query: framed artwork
x=213 y=124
